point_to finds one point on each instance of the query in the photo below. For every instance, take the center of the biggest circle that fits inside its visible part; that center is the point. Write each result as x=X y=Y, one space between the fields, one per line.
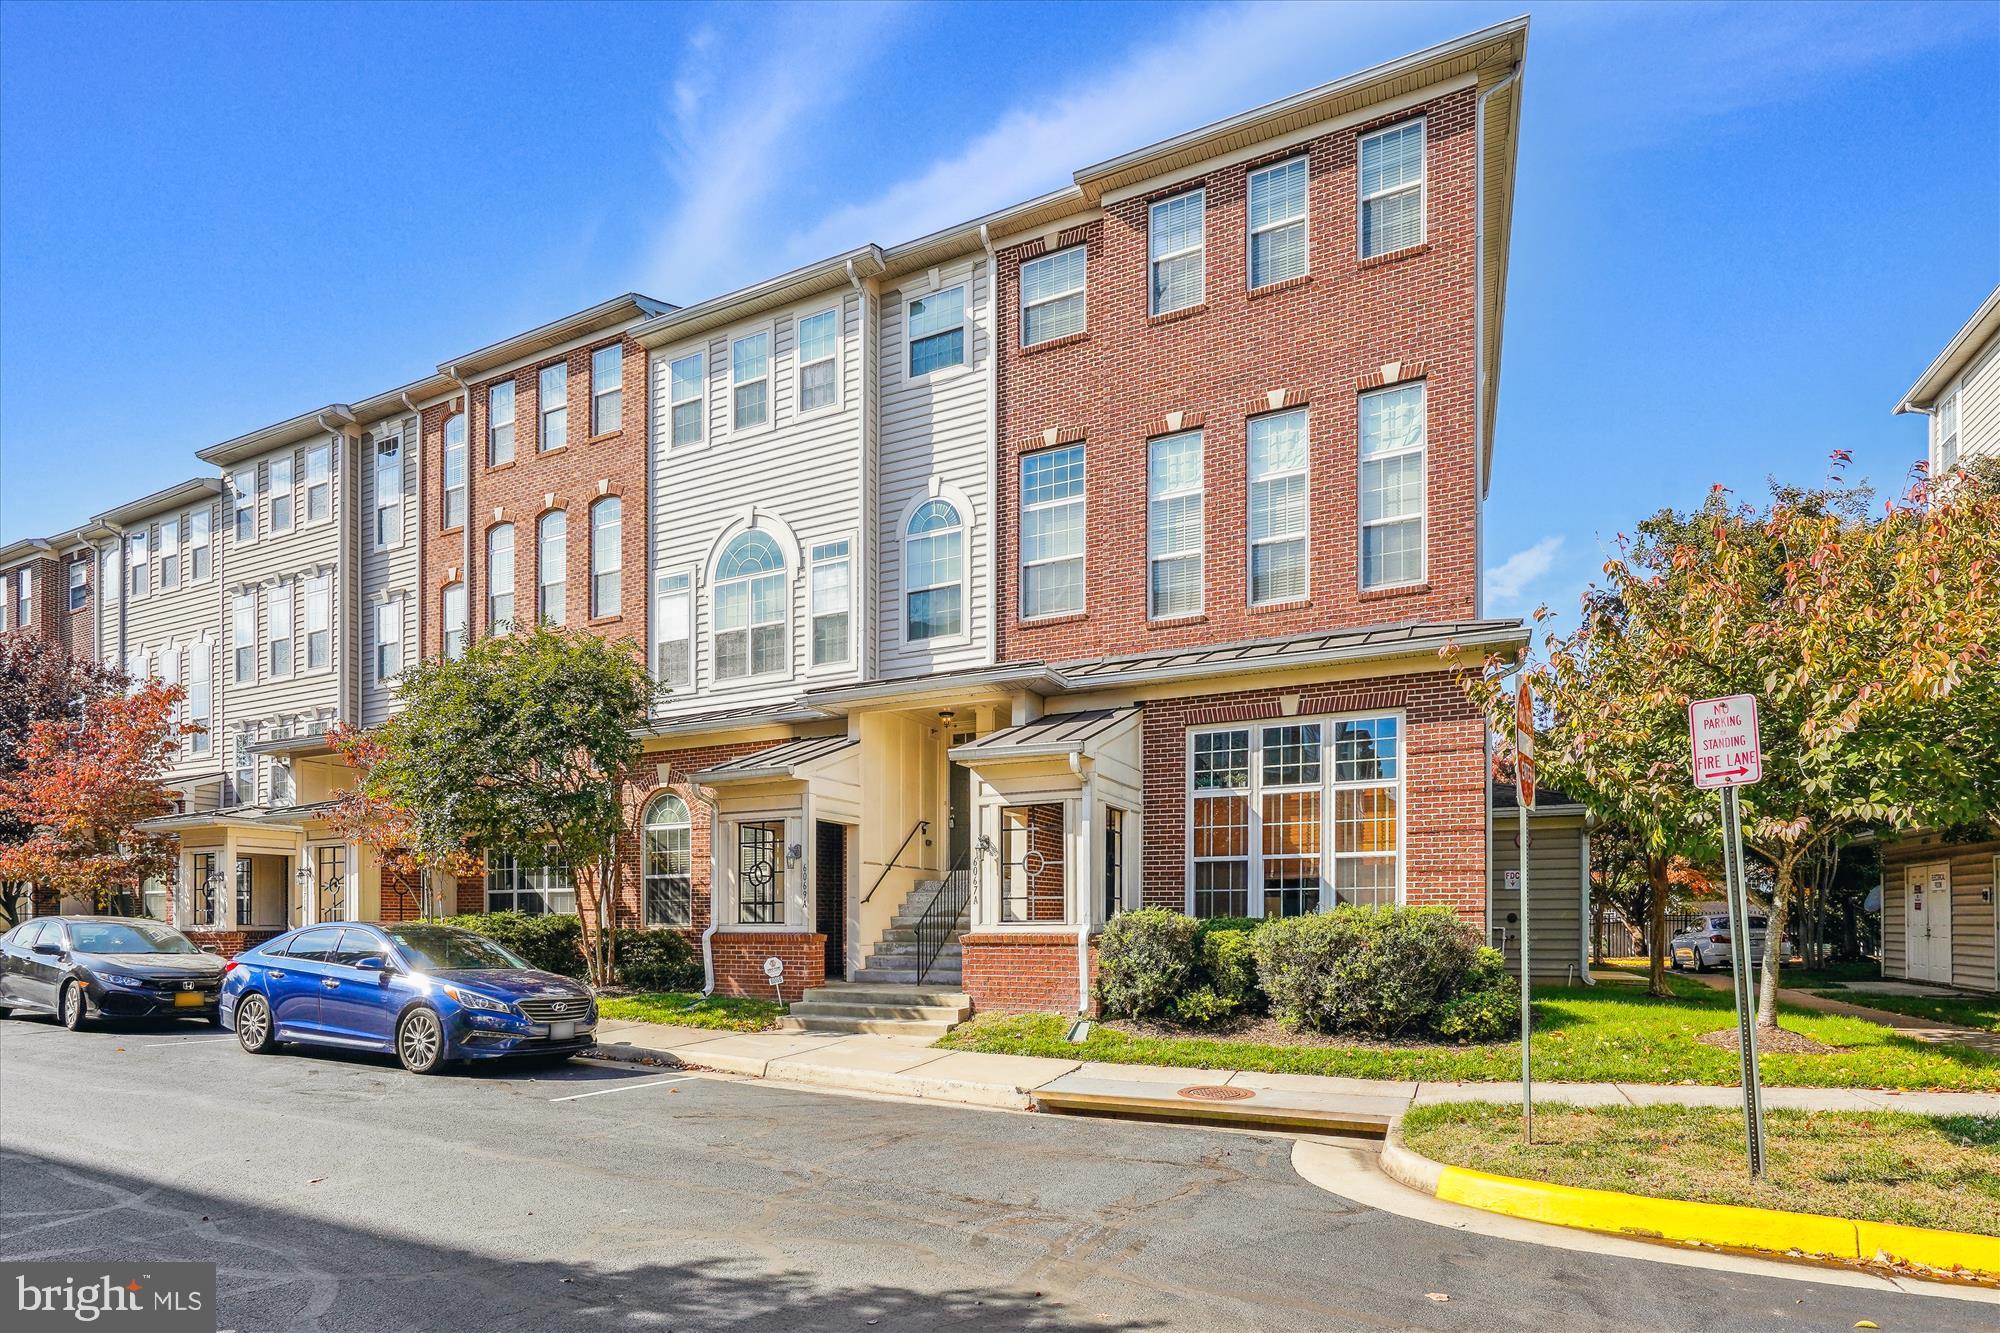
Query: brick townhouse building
x=46 y=586
x=1120 y=546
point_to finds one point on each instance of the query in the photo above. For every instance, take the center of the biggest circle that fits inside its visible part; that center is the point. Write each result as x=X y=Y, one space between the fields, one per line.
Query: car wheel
x=5 y=1012
x=72 y=1007
x=1695 y=965
x=253 y=1025
x=420 y=1042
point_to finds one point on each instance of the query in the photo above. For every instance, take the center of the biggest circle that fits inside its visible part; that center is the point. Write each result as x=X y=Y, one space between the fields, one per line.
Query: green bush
x=1379 y=971
x=1210 y=924
x=656 y=960
x=1487 y=1005
x=552 y=943
x=1202 y=1008
x=1146 y=960
x=1229 y=964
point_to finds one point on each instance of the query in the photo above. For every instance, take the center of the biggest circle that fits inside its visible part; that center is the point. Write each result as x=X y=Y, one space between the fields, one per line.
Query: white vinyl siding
x=686 y=400
x=454 y=471
x=452 y=606
x=1279 y=496
x=750 y=382
x=937 y=327
x=1278 y=223
x=552 y=397
x=607 y=390
x=500 y=423
x=551 y=567
x=1052 y=296
x=388 y=500
x=278 y=629
x=388 y=493
x=819 y=362
x=499 y=577
x=1392 y=189
x=830 y=580
x=1174 y=525
x=1052 y=531
x=1392 y=486
x=1177 y=251
x=319 y=623
x=607 y=556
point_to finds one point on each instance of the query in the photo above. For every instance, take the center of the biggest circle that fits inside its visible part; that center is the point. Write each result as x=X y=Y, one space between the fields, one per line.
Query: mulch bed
x=1779 y=1041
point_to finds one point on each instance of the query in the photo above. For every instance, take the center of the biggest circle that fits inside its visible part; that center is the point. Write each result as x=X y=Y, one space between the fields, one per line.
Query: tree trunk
x=1774 y=940
x=1656 y=932
x=1597 y=934
x=597 y=941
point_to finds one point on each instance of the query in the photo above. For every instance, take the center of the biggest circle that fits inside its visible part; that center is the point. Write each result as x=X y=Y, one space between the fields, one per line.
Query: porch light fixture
x=945 y=716
x=794 y=854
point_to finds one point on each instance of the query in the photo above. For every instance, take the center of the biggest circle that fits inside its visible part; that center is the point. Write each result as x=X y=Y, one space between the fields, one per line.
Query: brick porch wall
x=740 y=955
x=1007 y=972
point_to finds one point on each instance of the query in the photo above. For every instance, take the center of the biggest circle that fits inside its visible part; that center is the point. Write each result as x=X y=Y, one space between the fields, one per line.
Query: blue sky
x=1740 y=231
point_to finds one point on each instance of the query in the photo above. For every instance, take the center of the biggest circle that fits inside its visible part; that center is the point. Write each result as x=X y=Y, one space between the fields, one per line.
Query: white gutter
x=413 y=468
x=1088 y=784
x=993 y=445
x=1483 y=442
x=707 y=798
x=870 y=635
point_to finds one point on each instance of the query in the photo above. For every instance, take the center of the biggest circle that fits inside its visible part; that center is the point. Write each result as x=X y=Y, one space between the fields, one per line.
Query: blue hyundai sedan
x=431 y=994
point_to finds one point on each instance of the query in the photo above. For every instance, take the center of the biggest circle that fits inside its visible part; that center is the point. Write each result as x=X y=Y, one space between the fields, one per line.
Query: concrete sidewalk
x=899 y=1066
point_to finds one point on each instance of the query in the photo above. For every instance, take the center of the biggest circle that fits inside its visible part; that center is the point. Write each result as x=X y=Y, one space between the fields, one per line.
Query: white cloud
x=1507 y=580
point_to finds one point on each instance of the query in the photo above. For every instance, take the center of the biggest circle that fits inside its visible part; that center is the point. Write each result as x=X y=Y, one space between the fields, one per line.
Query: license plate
x=188 y=999
x=561 y=1031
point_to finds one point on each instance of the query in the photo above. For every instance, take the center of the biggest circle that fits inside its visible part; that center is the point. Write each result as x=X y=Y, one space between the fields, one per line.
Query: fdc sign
x=1726 y=748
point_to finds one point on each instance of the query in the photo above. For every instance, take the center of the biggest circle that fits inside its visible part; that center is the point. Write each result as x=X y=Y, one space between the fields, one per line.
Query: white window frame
x=656 y=820
x=1947 y=433
x=615 y=569
x=389 y=612
x=499 y=429
x=79 y=585
x=201 y=693
x=278 y=596
x=111 y=571
x=243 y=638
x=1154 y=258
x=937 y=495
x=282 y=512
x=452 y=615
x=718 y=582
x=319 y=620
x=699 y=398
x=964 y=288
x=167 y=553
x=198 y=551
x=1082 y=557
x=318 y=451
x=1422 y=187
x=494 y=569
x=668 y=585
x=1303 y=537
x=548 y=878
x=599 y=392
x=243 y=485
x=799 y=408
x=833 y=551
x=543 y=583
x=1329 y=787
x=167 y=666
x=453 y=453
x=242 y=764
x=766 y=379
x=1081 y=290
x=1154 y=553
x=388 y=499
x=1423 y=516
x=139 y=563
x=24 y=597
x=1303 y=221
x=544 y=413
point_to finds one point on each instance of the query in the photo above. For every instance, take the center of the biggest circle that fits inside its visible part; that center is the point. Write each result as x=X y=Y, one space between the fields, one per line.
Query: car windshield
x=442 y=949
x=127 y=937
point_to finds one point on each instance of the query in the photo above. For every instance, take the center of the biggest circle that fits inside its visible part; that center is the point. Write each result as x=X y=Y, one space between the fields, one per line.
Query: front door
x=1927 y=921
x=830 y=894
x=958 y=840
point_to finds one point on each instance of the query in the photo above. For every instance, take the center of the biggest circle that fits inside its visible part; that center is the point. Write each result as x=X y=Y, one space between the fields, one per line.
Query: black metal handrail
x=921 y=826
x=936 y=926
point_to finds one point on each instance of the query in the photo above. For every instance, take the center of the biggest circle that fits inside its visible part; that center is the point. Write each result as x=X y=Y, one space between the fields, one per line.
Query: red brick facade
x=740 y=955
x=1317 y=341
x=1014 y=973
x=50 y=615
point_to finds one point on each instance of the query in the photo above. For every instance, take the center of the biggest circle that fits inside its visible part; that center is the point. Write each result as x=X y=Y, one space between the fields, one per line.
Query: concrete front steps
x=893 y=960
x=878 y=1010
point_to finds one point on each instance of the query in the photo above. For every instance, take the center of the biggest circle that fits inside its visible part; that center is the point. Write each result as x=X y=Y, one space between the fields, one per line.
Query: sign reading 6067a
x=1727 y=749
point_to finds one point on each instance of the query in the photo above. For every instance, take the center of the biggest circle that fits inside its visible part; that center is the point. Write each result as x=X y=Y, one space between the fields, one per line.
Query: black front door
x=958 y=847
x=830 y=894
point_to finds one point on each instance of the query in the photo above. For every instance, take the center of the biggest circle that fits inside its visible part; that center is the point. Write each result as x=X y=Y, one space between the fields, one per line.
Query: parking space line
x=624 y=1087
x=183 y=1041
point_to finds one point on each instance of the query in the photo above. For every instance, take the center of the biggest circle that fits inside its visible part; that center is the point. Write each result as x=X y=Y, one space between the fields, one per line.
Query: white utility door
x=1927 y=921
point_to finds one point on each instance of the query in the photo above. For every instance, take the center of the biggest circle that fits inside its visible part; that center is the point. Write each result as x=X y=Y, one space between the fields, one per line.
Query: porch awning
x=1052 y=734
x=786 y=759
x=263 y=816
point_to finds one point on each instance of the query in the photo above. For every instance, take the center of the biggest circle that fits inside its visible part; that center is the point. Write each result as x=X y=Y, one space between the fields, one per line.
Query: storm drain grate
x=1215 y=1092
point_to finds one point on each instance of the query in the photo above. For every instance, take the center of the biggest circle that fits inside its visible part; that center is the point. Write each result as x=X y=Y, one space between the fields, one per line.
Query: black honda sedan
x=84 y=967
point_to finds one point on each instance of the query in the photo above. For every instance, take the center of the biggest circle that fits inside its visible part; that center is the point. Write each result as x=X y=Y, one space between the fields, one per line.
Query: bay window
x=1393 y=436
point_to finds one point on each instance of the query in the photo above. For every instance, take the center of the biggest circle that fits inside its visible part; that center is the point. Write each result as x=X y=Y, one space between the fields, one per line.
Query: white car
x=1705 y=943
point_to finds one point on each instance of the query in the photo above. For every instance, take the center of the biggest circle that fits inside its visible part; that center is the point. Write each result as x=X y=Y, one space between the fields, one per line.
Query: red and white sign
x=1524 y=746
x=1727 y=752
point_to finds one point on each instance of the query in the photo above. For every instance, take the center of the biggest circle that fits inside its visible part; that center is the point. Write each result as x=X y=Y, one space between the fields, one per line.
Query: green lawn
x=1597 y=1035
x=1876 y=1166
x=1966 y=1011
x=722 y=1012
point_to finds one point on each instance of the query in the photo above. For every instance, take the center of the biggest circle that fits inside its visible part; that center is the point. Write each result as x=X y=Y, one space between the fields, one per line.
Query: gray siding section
x=387 y=572
x=1556 y=885
x=1973 y=889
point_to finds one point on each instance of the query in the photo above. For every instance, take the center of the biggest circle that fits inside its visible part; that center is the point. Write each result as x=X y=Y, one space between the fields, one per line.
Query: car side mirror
x=210 y=948
x=373 y=962
x=47 y=949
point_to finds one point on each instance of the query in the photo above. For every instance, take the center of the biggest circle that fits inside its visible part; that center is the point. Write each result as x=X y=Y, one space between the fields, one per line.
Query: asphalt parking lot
x=335 y=1191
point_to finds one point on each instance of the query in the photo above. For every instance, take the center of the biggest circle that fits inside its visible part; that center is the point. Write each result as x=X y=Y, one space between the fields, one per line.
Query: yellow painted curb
x=1731 y=1226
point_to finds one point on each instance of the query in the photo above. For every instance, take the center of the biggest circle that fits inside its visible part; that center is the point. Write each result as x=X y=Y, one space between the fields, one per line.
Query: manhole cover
x=1215 y=1092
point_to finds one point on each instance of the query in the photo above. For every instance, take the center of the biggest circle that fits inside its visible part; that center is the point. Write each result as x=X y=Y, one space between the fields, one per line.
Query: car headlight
x=119 y=979
x=472 y=999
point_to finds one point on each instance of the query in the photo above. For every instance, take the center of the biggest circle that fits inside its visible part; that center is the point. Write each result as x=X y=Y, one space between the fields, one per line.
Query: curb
x=916 y=1084
x=1722 y=1225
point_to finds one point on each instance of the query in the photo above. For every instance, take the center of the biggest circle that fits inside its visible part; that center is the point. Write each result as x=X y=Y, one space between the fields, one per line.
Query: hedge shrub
x=1146 y=961
x=1487 y=1006
x=657 y=960
x=1229 y=965
x=552 y=943
x=1379 y=971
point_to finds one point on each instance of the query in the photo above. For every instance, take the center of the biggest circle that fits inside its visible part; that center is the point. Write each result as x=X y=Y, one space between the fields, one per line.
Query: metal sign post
x=1728 y=754
x=1524 y=801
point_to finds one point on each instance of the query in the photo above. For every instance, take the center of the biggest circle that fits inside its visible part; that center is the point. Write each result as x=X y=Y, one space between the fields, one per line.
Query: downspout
x=1483 y=435
x=993 y=445
x=1088 y=786
x=349 y=692
x=707 y=798
x=869 y=656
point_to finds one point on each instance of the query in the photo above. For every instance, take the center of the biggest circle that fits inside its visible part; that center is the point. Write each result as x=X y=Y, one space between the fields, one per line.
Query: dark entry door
x=830 y=894
x=958 y=846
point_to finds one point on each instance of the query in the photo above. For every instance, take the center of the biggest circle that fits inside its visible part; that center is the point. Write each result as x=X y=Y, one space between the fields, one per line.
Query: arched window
x=934 y=572
x=551 y=566
x=669 y=862
x=750 y=607
x=499 y=578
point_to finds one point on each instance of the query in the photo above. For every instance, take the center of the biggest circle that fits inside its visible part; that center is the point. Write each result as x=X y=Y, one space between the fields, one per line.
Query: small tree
x=362 y=814
x=40 y=681
x=519 y=747
x=83 y=787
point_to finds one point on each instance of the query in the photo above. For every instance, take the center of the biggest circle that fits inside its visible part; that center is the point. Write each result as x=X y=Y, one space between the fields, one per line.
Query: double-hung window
x=1173 y=525
x=607 y=389
x=200 y=547
x=830 y=585
x=243 y=637
x=1177 y=249
x=607 y=556
x=1947 y=434
x=1295 y=816
x=111 y=574
x=243 y=485
x=750 y=608
x=24 y=597
x=1392 y=486
x=1052 y=531
x=169 y=552
x=937 y=331
x=200 y=694
x=1278 y=448
x=750 y=381
x=515 y=884
x=137 y=568
x=278 y=629
x=551 y=566
x=1052 y=302
x=686 y=400
x=79 y=584
x=453 y=607
x=668 y=865
x=388 y=492
x=1278 y=223
x=243 y=769
x=168 y=664
x=673 y=630
x=819 y=361
x=454 y=471
x=278 y=472
x=388 y=640
x=934 y=572
x=499 y=578
x=319 y=622
x=500 y=423
x=552 y=399
x=319 y=483
x=1392 y=188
